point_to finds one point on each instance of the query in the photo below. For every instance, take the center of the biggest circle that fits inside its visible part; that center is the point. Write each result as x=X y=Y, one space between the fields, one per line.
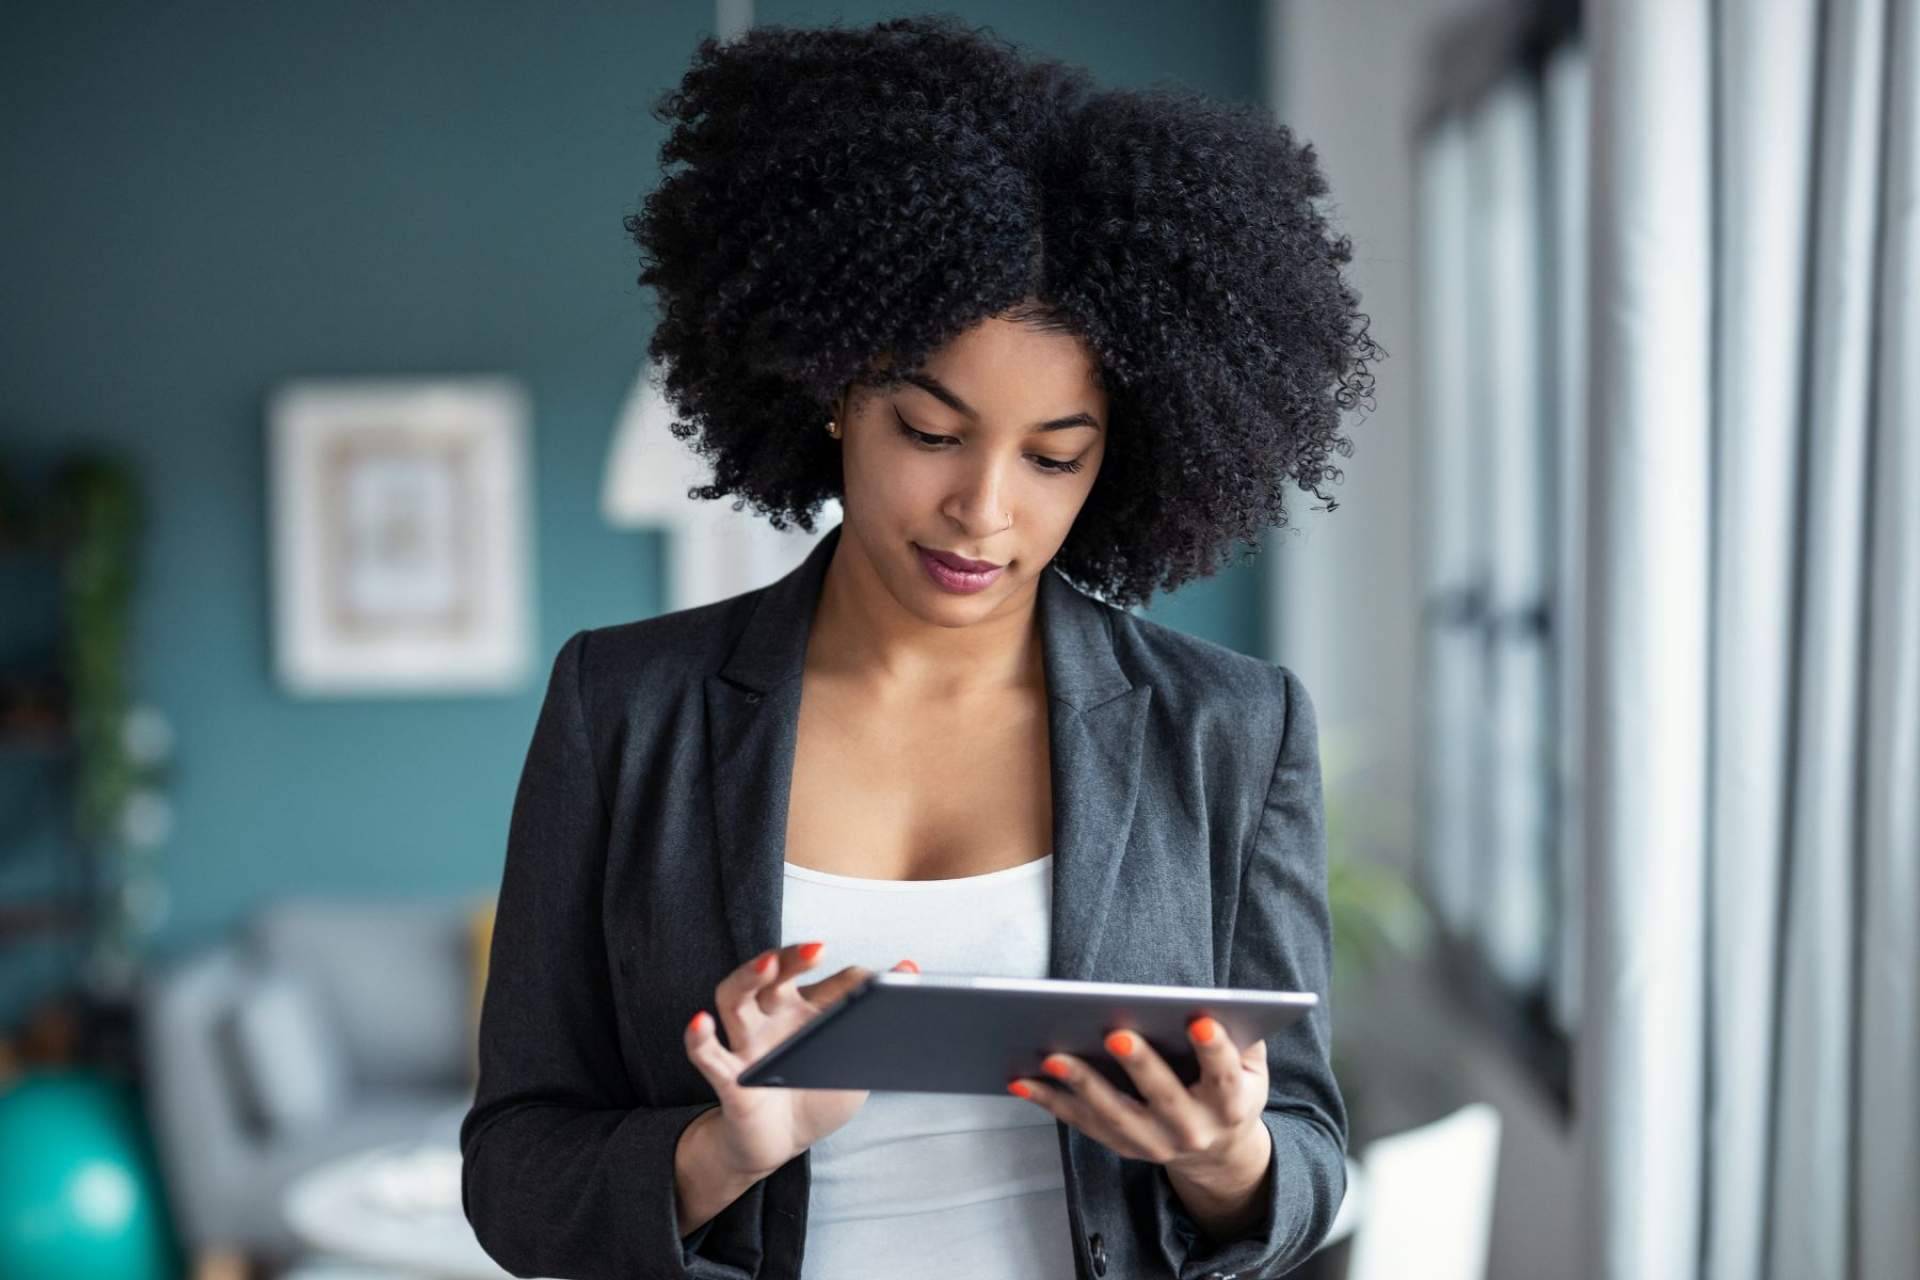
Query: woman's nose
x=981 y=508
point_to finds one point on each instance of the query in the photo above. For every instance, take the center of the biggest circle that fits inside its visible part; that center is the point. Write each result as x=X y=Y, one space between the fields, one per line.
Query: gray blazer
x=644 y=860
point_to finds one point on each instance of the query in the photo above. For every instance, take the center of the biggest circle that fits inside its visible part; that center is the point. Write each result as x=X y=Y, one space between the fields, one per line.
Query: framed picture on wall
x=400 y=517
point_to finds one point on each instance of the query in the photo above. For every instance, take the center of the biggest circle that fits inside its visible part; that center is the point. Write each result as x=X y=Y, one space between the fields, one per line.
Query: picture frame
x=401 y=525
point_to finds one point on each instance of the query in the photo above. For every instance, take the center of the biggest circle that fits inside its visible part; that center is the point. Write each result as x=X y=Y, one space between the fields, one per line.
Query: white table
x=395 y=1208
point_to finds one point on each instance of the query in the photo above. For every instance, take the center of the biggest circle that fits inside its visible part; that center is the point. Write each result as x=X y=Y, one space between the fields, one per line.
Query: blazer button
x=1099 y=1247
x=753 y=697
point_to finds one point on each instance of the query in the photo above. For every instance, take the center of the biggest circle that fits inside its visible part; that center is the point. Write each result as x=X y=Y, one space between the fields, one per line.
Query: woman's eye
x=1055 y=465
x=921 y=437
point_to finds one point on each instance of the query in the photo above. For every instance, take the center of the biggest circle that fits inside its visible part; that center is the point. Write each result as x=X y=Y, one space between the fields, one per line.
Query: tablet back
x=934 y=1033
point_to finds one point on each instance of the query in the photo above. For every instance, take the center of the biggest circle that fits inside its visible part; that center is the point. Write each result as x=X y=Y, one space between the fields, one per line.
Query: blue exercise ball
x=80 y=1195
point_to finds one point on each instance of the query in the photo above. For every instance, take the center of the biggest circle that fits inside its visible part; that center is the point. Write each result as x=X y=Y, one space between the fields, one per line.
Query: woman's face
x=988 y=454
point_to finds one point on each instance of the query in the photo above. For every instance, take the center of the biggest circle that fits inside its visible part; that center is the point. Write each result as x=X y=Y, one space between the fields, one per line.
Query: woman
x=1052 y=349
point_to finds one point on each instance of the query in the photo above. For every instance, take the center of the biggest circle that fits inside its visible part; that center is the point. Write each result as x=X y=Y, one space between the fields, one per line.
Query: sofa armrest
x=206 y=1152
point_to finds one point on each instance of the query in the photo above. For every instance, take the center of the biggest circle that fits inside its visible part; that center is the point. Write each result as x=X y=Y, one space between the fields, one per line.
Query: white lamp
x=714 y=551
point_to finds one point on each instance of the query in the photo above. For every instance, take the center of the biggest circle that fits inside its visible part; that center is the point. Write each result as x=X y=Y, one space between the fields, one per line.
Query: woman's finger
x=1220 y=1085
x=719 y=1064
x=824 y=992
x=1163 y=1091
x=735 y=997
x=816 y=996
x=783 y=992
x=1254 y=1057
x=739 y=996
x=1100 y=1107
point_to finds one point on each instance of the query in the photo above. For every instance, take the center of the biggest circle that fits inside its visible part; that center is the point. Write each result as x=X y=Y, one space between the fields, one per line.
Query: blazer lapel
x=1096 y=720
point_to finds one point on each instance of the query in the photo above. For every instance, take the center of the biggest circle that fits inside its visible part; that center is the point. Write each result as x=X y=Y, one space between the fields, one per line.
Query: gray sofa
x=323 y=1027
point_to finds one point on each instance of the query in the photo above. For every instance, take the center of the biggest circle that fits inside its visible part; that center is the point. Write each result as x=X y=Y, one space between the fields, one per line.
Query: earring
x=833 y=429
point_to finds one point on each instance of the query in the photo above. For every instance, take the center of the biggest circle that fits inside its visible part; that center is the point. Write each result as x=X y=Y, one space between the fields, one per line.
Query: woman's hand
x=760 y=1129
x=1209 y=1133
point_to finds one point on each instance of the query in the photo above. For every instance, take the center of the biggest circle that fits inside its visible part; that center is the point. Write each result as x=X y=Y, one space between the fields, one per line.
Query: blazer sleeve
x=563 y=1172
x=1283 y=941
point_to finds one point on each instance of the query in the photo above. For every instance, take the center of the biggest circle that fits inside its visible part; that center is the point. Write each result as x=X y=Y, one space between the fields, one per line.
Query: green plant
x=1375 y=910
x=121 y=753
x=96 y=514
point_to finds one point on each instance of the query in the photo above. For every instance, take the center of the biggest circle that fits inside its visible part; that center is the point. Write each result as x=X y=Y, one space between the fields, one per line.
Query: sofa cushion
x=393 y=976
x=288 y=1070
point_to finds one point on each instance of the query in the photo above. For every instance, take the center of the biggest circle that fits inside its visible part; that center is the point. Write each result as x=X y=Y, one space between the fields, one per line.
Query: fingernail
x=810 y=949
x=697 y=1021
x=765 y=963
x=1121 y=1043
x=907 y=966
x=1203 y=1029
x=1055 y=1067
x=1020 y=1087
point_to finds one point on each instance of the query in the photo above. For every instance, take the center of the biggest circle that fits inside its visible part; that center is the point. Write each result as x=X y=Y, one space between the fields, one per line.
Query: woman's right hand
x=758 y=1129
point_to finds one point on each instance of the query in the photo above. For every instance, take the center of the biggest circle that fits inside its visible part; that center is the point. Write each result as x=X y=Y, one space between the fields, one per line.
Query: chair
x=1425 y=1205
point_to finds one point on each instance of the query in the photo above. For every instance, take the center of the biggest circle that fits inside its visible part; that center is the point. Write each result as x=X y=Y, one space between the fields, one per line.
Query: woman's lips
x=949 y=578
x=959 y=563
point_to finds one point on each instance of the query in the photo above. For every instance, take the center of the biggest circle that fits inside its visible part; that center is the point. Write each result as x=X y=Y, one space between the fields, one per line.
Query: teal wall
x=205 y=199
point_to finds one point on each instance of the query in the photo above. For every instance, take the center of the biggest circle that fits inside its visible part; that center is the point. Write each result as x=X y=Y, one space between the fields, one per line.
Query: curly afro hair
x=852 y=199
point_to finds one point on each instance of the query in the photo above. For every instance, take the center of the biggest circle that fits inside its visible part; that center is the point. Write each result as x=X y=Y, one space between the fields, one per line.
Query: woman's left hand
x=1210 y=1127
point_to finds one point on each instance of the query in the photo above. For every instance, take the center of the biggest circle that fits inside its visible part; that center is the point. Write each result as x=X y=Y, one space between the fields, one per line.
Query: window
x=1501 y=183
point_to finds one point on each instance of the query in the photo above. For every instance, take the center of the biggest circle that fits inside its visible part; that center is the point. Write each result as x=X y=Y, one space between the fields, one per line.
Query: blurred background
x=325 y=420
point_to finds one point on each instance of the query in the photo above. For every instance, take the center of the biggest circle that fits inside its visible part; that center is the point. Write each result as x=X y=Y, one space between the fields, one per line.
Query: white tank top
x=943 y=1186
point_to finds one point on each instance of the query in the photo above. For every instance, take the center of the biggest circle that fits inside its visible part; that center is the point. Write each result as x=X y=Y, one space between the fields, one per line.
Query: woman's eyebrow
x=938 y=390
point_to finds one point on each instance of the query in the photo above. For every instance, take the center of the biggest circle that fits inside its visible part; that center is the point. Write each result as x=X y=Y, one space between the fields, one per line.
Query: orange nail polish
x=765 y=963
x=694 y=1022
x=1203 y=1029
x=1055 y=1067
x=1020 y=1087
x=810 y=950
x=1121 y=1043
x=909 y=966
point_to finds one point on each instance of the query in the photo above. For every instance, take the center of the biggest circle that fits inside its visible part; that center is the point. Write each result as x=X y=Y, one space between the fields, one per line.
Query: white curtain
x=1638 y=1077
x=1886 y=1159
x=1748 y=1066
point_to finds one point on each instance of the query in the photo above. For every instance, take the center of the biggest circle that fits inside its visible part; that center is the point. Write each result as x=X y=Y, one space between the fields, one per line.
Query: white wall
x=1345 y=615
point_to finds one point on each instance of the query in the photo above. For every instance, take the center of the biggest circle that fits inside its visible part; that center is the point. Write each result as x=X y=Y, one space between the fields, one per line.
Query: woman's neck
x=861 y=631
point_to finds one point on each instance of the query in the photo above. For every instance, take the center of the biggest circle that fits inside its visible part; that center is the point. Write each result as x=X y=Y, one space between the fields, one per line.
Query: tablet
x=938 y=1033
